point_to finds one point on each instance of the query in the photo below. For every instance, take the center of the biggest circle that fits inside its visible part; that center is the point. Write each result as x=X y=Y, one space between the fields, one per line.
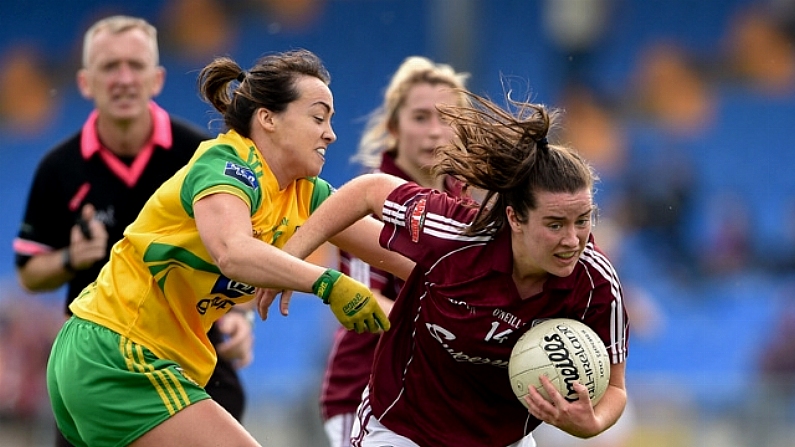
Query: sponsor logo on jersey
x=106 y=216
x=215 y=302
x=507 y=317
x=231 y=288
x=445 y=338
x=223 y=291
x=241 y=173
x=417 y=219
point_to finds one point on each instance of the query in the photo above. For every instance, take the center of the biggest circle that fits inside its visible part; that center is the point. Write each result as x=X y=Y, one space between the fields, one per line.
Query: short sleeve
x=424 y=224
x=220 y=169
x=320 y=193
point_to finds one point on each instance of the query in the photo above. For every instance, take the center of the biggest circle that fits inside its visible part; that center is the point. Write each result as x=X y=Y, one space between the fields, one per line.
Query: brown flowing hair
x=505 y=152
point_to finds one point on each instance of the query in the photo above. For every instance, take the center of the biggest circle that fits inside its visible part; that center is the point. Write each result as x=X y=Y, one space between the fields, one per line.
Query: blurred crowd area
x=685 y=108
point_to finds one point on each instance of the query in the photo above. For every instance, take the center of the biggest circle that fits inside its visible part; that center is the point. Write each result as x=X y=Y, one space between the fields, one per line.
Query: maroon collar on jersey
x=388 y=166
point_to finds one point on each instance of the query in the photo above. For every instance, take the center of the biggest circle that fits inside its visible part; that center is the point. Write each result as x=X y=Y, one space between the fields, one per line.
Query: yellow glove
x=351 y=301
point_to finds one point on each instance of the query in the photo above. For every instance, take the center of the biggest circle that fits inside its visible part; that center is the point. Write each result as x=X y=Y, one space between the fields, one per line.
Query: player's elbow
x=226 y=262
x=25 y=284
x=230 y=262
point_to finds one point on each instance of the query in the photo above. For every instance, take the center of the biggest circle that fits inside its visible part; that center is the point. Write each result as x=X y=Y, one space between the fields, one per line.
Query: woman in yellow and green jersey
x=129 y=367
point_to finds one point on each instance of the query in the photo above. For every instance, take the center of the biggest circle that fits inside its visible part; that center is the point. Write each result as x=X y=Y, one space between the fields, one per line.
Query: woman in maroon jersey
x=483 y=275
x=400 y=138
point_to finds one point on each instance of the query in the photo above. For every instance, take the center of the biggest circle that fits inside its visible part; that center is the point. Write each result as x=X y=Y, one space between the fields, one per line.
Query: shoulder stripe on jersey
x=603 y=266
x=435 y=225
x=618 y=336
x=393 y=214
x=480 y=237
x=445 y=222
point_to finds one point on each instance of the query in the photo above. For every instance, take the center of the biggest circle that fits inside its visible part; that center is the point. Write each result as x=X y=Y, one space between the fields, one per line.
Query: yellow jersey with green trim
x=160 y=287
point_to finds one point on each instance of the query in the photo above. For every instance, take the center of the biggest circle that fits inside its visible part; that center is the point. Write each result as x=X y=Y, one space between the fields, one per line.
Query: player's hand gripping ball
x=564 y=350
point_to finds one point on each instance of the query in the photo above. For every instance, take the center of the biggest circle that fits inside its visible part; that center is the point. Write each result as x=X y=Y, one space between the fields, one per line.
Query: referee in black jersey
x=88 y=188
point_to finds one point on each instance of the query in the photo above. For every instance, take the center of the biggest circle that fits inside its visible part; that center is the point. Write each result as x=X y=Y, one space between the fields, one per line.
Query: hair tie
x=242 y=76
x=542 y=143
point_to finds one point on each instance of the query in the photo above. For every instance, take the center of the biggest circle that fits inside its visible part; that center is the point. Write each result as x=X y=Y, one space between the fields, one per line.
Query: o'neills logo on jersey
x=417 y=220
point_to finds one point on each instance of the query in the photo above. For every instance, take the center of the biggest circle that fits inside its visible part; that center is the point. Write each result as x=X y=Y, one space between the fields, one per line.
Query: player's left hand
x=576 y=418
x=238 y=347
x=351 y=302
x=264 y=298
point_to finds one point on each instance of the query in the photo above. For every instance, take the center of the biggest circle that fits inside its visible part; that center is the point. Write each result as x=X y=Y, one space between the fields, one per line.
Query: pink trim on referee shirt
x=30 y=248
x=161 y=136
x=81 y=194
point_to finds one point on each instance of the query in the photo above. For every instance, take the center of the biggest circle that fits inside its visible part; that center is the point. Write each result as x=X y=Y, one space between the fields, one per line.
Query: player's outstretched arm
x=224 y=224
x=225 y=228
x=361 y=239
x=360 y=197
x=343 y=219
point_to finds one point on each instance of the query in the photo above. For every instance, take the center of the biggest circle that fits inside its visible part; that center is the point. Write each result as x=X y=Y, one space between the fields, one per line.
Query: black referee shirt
x=65 y=181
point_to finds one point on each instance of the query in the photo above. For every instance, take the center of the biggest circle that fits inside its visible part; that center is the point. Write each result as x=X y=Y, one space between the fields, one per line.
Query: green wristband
x=322 y=287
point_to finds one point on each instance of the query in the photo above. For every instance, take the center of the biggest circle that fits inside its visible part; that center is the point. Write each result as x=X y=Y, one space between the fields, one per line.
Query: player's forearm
x=44 y=272
x=361 y=239
x=341 y=210
x=612 y=404
x=360 y=197
x=256 y=263
x=224 y=225
x=610 y=407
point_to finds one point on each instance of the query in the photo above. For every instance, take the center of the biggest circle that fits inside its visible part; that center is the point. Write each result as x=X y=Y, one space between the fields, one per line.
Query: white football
x=564 y=350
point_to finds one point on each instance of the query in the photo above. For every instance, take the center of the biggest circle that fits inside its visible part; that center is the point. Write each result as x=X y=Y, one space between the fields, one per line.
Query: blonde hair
x=117 y=25
x=376 y=138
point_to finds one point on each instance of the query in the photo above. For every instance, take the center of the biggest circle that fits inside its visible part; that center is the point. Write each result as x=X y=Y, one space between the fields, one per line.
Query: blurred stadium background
x=685 y=107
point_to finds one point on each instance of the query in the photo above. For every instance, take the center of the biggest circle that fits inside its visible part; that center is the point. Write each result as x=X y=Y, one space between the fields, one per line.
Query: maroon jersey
x=440 y=375
x=351 y=356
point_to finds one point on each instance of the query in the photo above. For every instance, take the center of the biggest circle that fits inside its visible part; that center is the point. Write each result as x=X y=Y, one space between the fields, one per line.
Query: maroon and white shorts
x=338 y=429
x=369 y=432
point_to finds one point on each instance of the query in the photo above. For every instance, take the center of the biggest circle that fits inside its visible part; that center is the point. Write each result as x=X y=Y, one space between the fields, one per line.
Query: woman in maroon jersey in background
x=484 y=274
x=400 y=138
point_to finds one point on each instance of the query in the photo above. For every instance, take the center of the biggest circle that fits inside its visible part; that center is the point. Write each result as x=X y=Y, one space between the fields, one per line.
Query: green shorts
x=106 y=390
